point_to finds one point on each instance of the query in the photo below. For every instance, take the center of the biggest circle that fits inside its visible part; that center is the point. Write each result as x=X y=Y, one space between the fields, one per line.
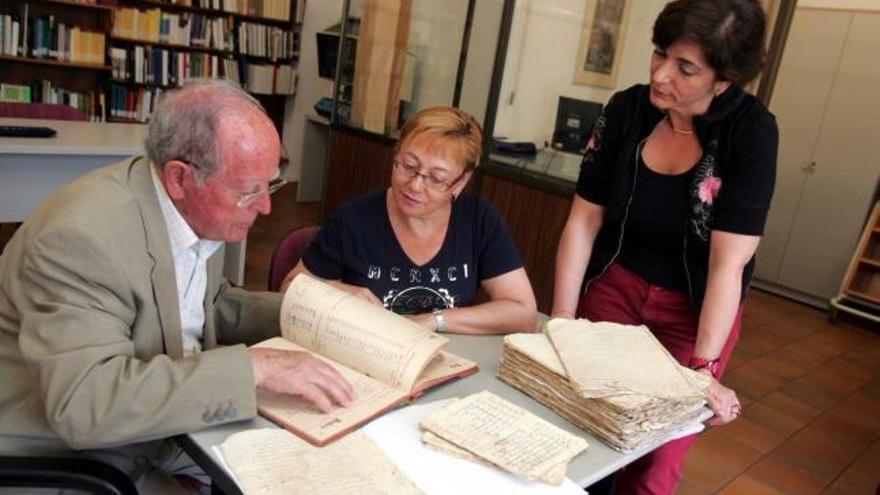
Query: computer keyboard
x=26 y=131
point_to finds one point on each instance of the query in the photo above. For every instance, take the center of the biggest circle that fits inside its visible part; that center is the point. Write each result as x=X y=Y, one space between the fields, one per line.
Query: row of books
x=220 y=33
x=44 y=37
x=88 y=103
x=132 y=104
x=271 y=9
x=269 y=79
x=166 y=67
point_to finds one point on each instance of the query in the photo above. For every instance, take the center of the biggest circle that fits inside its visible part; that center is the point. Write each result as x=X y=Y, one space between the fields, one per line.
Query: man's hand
x=298 y=373
x=723 y=403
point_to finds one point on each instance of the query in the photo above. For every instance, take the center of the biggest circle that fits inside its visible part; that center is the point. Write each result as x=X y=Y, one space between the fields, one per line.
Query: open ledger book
x=387 y=358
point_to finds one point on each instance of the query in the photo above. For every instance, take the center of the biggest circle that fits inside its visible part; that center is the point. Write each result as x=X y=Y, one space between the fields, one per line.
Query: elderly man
x=116 y=328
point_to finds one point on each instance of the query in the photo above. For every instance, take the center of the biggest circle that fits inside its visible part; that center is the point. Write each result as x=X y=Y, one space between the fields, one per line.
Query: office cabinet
x=827 y=102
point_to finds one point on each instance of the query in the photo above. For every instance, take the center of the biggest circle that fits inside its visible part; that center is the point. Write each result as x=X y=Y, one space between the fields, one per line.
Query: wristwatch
x=698 y=363
x=441 y=322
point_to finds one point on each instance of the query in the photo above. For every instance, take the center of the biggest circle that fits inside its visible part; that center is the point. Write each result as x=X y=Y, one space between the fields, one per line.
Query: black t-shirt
x=653 y=235
x=358 y=246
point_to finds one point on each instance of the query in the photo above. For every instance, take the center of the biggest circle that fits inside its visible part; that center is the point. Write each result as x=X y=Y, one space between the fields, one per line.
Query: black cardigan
x=739 y=138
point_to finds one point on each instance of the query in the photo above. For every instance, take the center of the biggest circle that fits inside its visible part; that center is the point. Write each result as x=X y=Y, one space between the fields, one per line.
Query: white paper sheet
x=398 y=435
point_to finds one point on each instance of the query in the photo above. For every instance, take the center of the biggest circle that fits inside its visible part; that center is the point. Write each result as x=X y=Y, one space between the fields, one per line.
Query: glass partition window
x=402 y=56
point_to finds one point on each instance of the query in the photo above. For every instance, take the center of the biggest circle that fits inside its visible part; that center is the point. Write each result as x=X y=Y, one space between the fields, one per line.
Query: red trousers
x=621 y=296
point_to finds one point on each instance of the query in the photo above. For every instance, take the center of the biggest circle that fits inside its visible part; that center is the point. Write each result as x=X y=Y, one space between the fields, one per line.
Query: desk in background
x=590 y=466
x=31 y=169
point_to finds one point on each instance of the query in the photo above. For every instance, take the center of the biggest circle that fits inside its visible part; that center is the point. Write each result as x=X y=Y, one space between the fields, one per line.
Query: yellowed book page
x=504 y=434
x=272 y=461
x=373 y=396
x=442 y=366
x=602 y=359
x=354 y=332
x=555 y=476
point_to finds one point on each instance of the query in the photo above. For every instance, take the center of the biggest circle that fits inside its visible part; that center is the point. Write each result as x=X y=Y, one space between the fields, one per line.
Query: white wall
x=541 y=63
x=319 y=15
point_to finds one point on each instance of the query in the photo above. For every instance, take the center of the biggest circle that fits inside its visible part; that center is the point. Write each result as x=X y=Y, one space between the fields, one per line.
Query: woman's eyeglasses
x=411 y=170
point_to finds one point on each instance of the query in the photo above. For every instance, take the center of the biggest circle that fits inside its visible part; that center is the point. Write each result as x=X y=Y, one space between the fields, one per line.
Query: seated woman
x=422 y=247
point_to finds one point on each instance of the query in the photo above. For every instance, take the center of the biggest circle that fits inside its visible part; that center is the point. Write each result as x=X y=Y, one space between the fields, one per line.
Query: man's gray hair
x=184 y=125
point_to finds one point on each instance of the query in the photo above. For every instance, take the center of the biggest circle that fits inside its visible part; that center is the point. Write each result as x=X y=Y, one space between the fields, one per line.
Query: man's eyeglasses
x=411 y=170
x=245 y=199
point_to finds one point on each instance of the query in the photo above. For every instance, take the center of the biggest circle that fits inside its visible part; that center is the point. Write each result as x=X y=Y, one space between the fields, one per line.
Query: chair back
x=288 y=253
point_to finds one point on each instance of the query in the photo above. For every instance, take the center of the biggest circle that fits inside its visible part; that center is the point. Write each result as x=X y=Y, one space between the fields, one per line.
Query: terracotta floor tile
x=861 y=410
x=809 y=393
x=775 y=365
x=845 y=334
x=865 y=355
x=752 y=382
x=791 y=407
x=726 y=450
x=792 y=329
x=752 y=434
x=835 y=383
x=769 y=417
x=705 y=473
x=862 y=477
x=785 y=477
x=746 y=485
x=687 y=488
x=805 y=358
x=760 y=342
x=853 y=436
x=817 y=453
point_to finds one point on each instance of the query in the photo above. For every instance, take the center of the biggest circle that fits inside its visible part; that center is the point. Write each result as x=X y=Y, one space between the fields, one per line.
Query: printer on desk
x=574 y=123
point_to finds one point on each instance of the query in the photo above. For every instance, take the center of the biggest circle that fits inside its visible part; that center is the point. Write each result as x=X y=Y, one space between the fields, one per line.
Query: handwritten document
x=504 y=434
x=604 y=359
x=274 y=461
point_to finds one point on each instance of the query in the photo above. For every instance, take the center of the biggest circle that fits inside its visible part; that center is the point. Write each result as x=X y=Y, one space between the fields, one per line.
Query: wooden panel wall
x=535 y=219
x=356 y=164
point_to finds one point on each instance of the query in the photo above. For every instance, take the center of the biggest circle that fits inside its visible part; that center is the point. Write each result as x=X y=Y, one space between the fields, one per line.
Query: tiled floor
x=810 y=391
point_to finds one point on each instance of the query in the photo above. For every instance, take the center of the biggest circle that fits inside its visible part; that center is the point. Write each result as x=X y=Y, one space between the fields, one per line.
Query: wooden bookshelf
x=862 y=279
x=72 y=3
x=98 y=79
x=213 y=12
x=54 y=63
x=173 y=46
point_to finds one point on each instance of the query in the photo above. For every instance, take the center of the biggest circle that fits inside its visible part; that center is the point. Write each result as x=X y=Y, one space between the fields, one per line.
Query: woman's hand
x=359 y=292
x=426 y=320
x=723 y=402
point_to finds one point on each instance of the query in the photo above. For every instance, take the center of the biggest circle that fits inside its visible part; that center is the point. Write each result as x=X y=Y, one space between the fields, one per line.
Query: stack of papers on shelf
x=615 y=381
x=276 y=461
x=486 y=428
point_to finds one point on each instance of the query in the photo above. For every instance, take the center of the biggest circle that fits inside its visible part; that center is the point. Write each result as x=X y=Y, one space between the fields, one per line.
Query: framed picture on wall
x=601 y=43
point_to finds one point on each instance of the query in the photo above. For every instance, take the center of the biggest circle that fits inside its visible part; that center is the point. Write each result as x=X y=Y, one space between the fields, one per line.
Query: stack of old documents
x=616 y=381
x=486 y=428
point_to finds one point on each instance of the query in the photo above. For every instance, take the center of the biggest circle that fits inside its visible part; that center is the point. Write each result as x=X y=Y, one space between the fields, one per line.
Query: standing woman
x=671 y=202
x=423 y=247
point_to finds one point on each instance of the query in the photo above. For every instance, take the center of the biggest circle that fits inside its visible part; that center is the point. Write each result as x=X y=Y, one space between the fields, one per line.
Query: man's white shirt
x=190 y=269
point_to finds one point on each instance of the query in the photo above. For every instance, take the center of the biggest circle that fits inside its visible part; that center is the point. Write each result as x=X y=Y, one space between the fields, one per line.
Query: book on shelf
x=387 y=358
x=15 y=93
